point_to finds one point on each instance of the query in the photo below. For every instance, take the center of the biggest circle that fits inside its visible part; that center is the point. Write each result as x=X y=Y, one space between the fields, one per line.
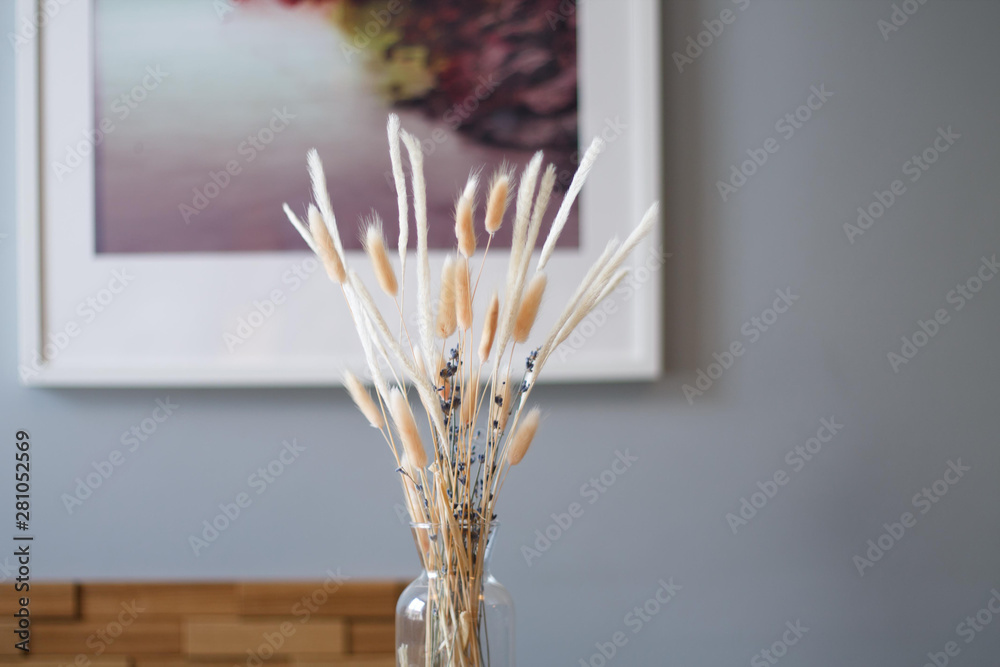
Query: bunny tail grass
x=392 y=129
x=332 y=261
x=521 y=439
x=374 y=244
x=363 y=400
x=586 y=164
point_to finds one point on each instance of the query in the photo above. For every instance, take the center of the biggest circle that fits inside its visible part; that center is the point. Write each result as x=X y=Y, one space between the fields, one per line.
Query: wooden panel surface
x=332 y=623
x=55 y=600
x=160 y=599
x=373 y=636
x=106 y=637
x=277 y=637
x=330 y=598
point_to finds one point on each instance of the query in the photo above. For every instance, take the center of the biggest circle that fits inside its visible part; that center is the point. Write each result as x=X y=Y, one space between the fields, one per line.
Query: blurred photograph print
x=208 y=108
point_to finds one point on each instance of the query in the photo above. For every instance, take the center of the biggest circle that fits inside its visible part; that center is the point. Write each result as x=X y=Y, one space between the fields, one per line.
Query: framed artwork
x=157 y=142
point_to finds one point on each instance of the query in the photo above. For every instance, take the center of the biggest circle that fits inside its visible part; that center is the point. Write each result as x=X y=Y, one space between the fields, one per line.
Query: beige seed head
x=446 y=321
x=489 y=328
x=363 y=400
x=496 y=207
x=465 y=231
x=463 y=294
x=528 y=311
x=324 y=246
x=521 y=440
x=374 y=244
x=402 y=416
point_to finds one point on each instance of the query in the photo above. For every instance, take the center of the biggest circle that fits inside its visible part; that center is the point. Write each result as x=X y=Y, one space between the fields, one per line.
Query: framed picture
x=157 y=142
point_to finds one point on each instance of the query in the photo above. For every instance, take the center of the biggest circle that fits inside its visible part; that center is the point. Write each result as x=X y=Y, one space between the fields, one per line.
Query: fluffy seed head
x=496 y=207
x=363 y=400
x=465 y=231
x=324 y=246
x=528 y=311
x=446 y=321
x=521 y=440
x=374 y=244
x=489 y=328
x=463 y=294
x=402 y=416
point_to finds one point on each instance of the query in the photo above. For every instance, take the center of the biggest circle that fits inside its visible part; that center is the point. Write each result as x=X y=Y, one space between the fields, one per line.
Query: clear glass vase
x=455 y=614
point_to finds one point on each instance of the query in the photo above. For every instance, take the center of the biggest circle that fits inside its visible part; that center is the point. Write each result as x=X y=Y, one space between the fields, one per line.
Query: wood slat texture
x=185 y=661
x=330 y=598
x=373 y=636
x=350 y=661
x=217 y=637
x=335 y=623
x=67 y=661
x=55 y=600
x=161 y=599
x=91 y=635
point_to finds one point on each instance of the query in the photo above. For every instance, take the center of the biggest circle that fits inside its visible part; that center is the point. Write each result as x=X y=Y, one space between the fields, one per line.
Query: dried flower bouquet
x=478 y=425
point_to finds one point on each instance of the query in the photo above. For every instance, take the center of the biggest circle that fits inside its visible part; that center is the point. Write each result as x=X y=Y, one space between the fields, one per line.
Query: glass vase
x=455 y=614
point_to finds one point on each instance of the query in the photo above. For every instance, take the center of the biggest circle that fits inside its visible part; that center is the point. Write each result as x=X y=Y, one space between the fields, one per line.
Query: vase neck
x=435 y=541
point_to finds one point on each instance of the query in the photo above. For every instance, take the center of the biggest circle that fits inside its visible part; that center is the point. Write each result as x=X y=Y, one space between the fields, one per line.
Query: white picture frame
x=160 y=320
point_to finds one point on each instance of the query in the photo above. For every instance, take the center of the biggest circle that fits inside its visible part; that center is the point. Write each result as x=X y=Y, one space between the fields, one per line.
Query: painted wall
x=888 y=97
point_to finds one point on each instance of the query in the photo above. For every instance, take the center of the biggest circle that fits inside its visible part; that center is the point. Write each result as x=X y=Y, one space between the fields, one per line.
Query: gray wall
x=666 y=516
